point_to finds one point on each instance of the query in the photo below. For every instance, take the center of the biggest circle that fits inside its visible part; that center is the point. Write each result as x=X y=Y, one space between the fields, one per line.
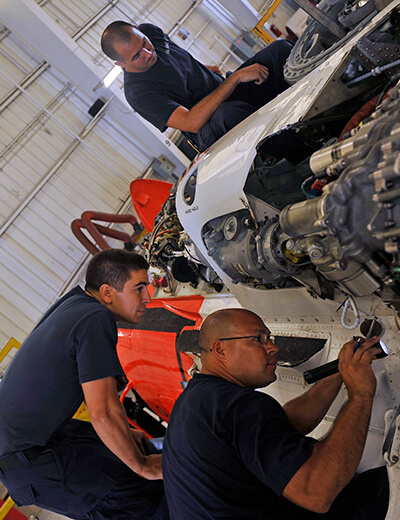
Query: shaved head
x=116 y=32
x=128 y=47
x=220 y=324
x=231 y=348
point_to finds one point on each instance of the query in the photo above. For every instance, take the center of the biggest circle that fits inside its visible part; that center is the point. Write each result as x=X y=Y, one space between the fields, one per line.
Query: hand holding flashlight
x=355 y=367
x=328 y=369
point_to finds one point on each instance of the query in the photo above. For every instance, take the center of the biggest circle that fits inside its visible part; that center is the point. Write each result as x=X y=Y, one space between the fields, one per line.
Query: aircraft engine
x=349 y=235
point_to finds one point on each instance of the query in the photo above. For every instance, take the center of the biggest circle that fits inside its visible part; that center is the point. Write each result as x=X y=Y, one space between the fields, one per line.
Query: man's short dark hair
x=113 y=267
x=116 y=32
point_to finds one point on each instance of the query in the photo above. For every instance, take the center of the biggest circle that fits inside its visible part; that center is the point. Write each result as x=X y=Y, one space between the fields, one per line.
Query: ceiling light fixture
x=112 y=75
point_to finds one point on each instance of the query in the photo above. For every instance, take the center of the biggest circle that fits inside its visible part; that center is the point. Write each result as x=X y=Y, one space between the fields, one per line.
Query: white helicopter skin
x=213 y=193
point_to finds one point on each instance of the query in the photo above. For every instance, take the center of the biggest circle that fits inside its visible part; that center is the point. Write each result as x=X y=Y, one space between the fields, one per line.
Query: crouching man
x=98 y=470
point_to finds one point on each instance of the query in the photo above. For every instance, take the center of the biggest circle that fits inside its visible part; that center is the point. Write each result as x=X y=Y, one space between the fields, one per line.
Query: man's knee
x=275 y=53
x=227 y=116
x=230 y=114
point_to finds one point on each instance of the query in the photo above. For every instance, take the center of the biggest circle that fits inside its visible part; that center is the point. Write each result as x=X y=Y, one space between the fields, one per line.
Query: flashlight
x=384 y=350
x=328 y=369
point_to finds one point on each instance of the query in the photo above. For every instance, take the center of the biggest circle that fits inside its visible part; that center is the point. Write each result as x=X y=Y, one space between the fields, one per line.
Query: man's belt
x=12 y=461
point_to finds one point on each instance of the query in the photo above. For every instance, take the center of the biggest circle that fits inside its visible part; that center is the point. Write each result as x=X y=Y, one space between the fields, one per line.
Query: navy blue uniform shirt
x=229 y=452
x=176 y=79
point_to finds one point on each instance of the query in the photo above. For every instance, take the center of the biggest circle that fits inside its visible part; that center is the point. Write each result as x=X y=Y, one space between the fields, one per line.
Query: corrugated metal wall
x=56 y=161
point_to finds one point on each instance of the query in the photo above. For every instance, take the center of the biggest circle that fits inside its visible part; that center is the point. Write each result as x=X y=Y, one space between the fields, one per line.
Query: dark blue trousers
x=248 y=97
x=76 y=475
x=366 y=497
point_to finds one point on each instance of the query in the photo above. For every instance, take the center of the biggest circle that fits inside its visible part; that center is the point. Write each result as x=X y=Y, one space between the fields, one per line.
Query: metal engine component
x=359 y=214
x=248 y=255
x=350 y=234
x=318 y=41
x=170 y=249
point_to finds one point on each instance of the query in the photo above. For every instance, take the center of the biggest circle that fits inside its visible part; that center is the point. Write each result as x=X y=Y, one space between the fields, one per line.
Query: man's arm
x=335 y=459
x=194 y=119
x=307 y=411
x=108 y=418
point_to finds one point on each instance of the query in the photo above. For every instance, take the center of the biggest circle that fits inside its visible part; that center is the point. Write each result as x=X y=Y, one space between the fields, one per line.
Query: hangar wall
x=57 y=161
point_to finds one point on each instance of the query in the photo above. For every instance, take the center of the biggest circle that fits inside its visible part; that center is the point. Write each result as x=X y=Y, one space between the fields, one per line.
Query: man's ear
x=218 y=349
x=120 y=64
x=106 y=293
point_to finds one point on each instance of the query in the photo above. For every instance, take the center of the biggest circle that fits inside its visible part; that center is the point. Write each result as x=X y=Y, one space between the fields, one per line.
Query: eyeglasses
x=262 y=338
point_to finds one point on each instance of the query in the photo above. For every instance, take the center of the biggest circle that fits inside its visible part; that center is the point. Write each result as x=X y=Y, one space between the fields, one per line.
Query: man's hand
x=355 y=367
x=108 y=418
x=214 y=68
x=256 y=72
x=194 y=119
x=152 y=468
x=152 y=463
x=140 y=440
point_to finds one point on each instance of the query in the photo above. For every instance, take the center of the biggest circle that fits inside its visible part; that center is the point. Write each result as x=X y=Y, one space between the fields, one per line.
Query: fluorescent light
x=112 y=75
